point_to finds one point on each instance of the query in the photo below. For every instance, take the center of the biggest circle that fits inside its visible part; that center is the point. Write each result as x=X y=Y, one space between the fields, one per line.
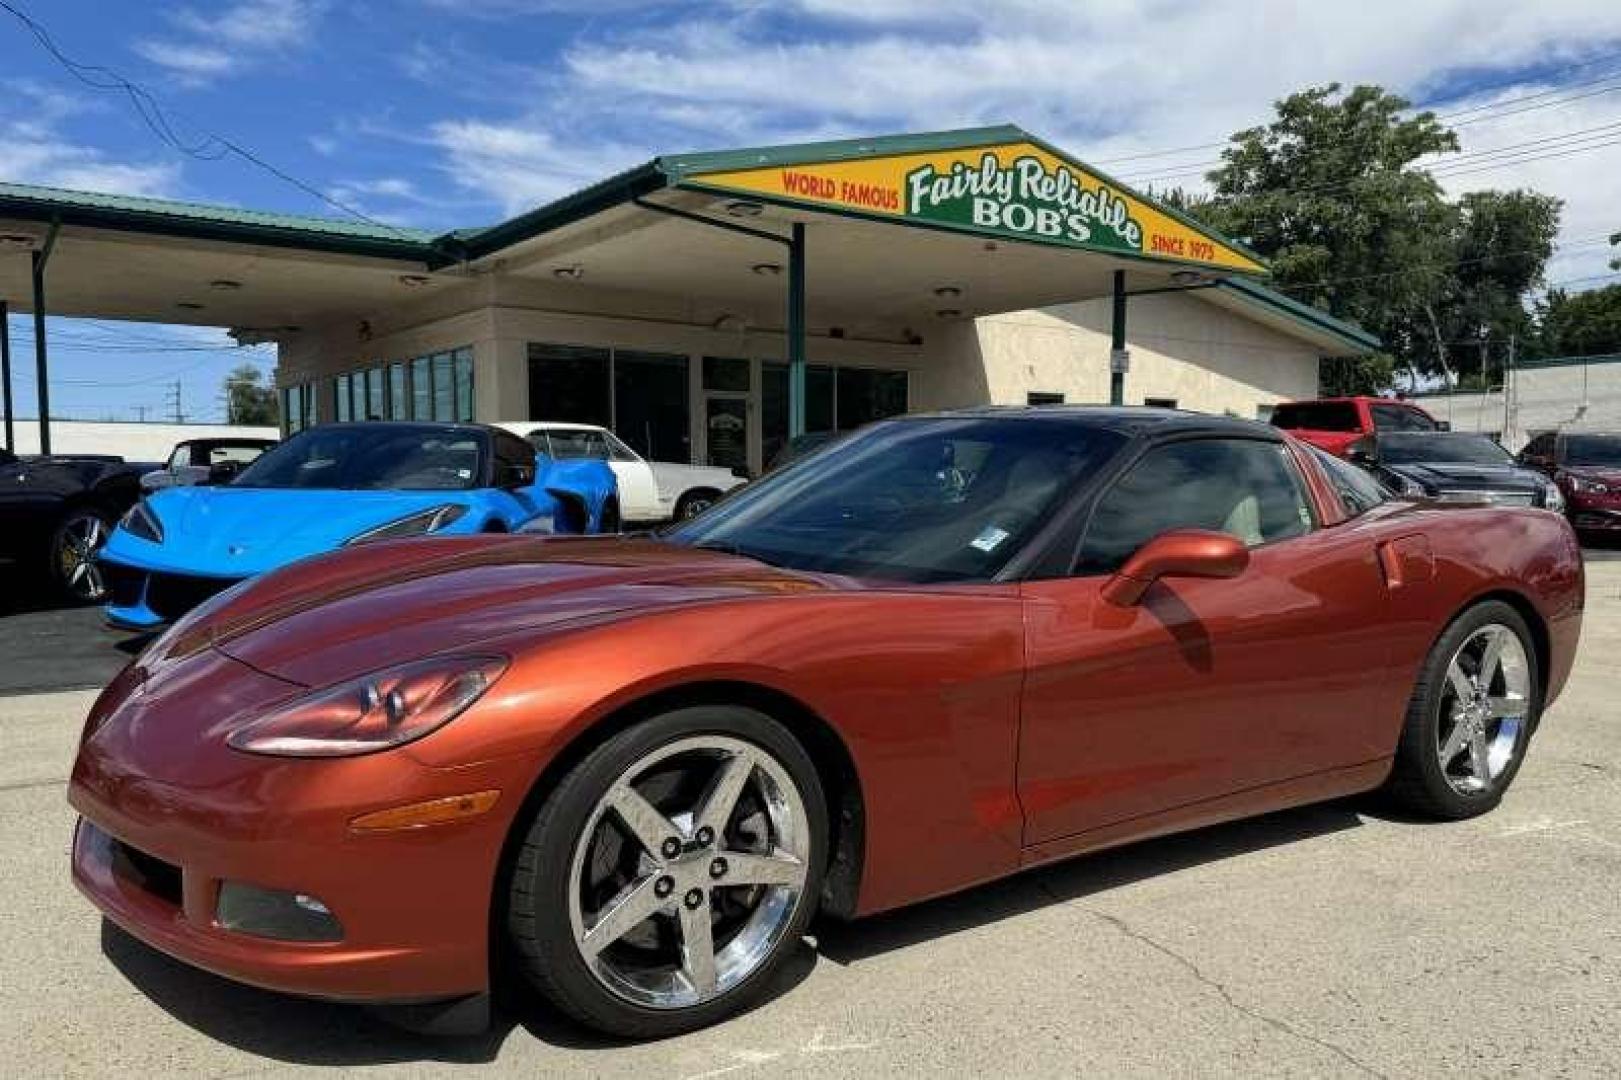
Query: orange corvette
x=939 y=651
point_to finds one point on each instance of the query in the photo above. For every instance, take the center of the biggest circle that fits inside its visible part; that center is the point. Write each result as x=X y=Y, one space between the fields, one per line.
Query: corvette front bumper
x=142 y=599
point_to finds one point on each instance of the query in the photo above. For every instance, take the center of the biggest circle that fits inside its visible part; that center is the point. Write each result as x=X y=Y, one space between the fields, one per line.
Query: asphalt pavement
x=1335 y=940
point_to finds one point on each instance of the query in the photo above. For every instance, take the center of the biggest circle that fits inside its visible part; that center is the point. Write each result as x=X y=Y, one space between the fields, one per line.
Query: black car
x=1454 y=467
x=57 y=512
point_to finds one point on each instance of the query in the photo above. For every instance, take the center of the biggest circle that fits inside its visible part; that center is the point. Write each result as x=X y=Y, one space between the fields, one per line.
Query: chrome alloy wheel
x=688 y=871
x=1484 y=705
x=81 y=539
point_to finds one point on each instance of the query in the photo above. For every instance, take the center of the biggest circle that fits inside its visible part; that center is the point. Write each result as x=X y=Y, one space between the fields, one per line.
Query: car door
x=638 y=488
x=1205 y=687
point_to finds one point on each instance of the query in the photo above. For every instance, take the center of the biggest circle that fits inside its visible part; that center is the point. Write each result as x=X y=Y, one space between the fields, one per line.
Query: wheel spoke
x=95 y=586
x=1506 y=706
x=1490 y=657
x=92 y=535
x=1461 y=685
x=743 y=869
x=1455 y=740
x=724 y=791
x=650 y=827
x=698 y=948
x=632 y=907
x=80 y=571
x=1478 y=764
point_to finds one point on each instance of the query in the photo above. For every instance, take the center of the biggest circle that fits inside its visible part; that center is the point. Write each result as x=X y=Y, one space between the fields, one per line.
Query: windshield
x=909 y=500
x=1593 y=450
x=364 y=457
x=1317 y=416
x=1467 y=449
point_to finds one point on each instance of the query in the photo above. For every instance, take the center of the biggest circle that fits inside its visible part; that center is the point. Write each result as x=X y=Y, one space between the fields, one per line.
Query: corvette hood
x=233 y=532
x=1442 y=476
x=366 y=608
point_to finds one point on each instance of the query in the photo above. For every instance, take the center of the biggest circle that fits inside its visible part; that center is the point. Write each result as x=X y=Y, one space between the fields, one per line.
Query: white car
x=649 y=491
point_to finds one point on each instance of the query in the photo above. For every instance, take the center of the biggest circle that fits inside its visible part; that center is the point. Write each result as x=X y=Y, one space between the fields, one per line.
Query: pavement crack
x=1226 y=995
x=26 y=785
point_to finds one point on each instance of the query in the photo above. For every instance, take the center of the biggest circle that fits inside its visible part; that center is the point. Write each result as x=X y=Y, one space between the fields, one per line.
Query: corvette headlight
x=1589 y=487
x=141 y=521
x=374 y=712
x=418 y=524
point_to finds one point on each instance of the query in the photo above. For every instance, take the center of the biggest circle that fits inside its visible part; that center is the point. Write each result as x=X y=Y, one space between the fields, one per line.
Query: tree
x=1586 y=324
x=1333 y=194
x=248 y=400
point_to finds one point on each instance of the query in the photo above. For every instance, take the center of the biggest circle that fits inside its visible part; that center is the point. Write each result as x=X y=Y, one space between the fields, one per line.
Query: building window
x=1160 y=402
x=572 y=383
x=399 y=398
x=462 y=365
x=342 y=401
x=1043 y=397
x=297 y=407
x=866 y=394
x=774 y=405
x=650 y=405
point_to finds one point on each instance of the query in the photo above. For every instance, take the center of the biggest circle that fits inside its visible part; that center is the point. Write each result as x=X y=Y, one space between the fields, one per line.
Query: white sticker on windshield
x=989 y=537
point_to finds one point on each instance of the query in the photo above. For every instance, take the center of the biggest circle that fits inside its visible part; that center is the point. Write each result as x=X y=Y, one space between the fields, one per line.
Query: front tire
x=671 y=873
x=1470 y=717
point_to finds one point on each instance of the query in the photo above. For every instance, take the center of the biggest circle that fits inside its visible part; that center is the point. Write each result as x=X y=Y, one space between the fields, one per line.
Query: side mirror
x=1198 y=553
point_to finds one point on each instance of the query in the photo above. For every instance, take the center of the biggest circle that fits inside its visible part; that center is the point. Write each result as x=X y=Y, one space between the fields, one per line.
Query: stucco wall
x=129 y=440
x=1201 y=356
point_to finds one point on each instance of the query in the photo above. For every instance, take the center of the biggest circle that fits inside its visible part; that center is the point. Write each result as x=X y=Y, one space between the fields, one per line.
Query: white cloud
x=522 y=167
x=38 y=152
x=230 y=39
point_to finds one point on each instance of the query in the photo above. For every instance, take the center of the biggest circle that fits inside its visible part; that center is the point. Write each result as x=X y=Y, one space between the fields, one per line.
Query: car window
x=1399 y=418
x=181 y=456
x=512 y=451
x=367 y=457
x=1358 y=491
x=1593 y=450
x=618 y=451
x=1317 y=416
x=572 y=445
x=1244 y=487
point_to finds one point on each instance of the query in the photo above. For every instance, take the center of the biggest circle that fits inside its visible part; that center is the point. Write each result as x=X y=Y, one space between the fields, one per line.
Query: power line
x=210 y=147
x=1488 y=106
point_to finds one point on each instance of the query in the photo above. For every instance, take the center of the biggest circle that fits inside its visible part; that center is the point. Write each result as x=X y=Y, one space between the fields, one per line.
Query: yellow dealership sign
x=1017 y=190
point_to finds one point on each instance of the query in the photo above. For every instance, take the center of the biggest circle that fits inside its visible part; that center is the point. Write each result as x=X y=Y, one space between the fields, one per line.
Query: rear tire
x=693 y=503
x=671 y=873
x=1470 y=717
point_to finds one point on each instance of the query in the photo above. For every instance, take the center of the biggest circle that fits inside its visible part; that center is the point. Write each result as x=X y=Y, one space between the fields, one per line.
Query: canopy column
x=5 y=371
x=39 y=259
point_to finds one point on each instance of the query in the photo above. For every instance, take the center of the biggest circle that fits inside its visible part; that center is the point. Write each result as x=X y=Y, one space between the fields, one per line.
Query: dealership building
x=709 y=306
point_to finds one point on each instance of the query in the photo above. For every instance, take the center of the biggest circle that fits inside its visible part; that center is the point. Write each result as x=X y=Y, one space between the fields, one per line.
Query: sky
x=455 y=113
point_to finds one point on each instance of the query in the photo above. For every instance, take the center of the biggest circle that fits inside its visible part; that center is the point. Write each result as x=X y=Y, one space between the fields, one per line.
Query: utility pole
x=140 y=413
x=1508 y=378
x=174 y=402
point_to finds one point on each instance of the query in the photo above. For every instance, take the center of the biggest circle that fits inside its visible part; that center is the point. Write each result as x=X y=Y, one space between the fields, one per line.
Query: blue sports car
x=341 y=484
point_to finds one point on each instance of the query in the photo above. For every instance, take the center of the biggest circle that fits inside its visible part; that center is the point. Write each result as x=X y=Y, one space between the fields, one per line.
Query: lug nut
x=705 y=836
x=694 y=897
x=672 y=848
x=717 y=868
x=664 y=886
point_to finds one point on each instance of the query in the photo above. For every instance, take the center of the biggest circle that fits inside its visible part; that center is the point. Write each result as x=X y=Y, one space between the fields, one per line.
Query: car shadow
x=305 y=1032
x=1078 y=878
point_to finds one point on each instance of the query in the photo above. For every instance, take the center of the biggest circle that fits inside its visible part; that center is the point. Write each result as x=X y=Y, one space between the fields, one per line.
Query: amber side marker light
x=433 y=812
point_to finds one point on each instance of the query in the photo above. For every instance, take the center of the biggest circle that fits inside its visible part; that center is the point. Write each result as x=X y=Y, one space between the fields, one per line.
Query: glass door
x=726 y=430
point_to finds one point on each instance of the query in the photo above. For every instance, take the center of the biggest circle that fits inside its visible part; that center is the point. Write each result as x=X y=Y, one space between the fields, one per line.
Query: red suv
x=1335 y=423
x=1587 y=468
